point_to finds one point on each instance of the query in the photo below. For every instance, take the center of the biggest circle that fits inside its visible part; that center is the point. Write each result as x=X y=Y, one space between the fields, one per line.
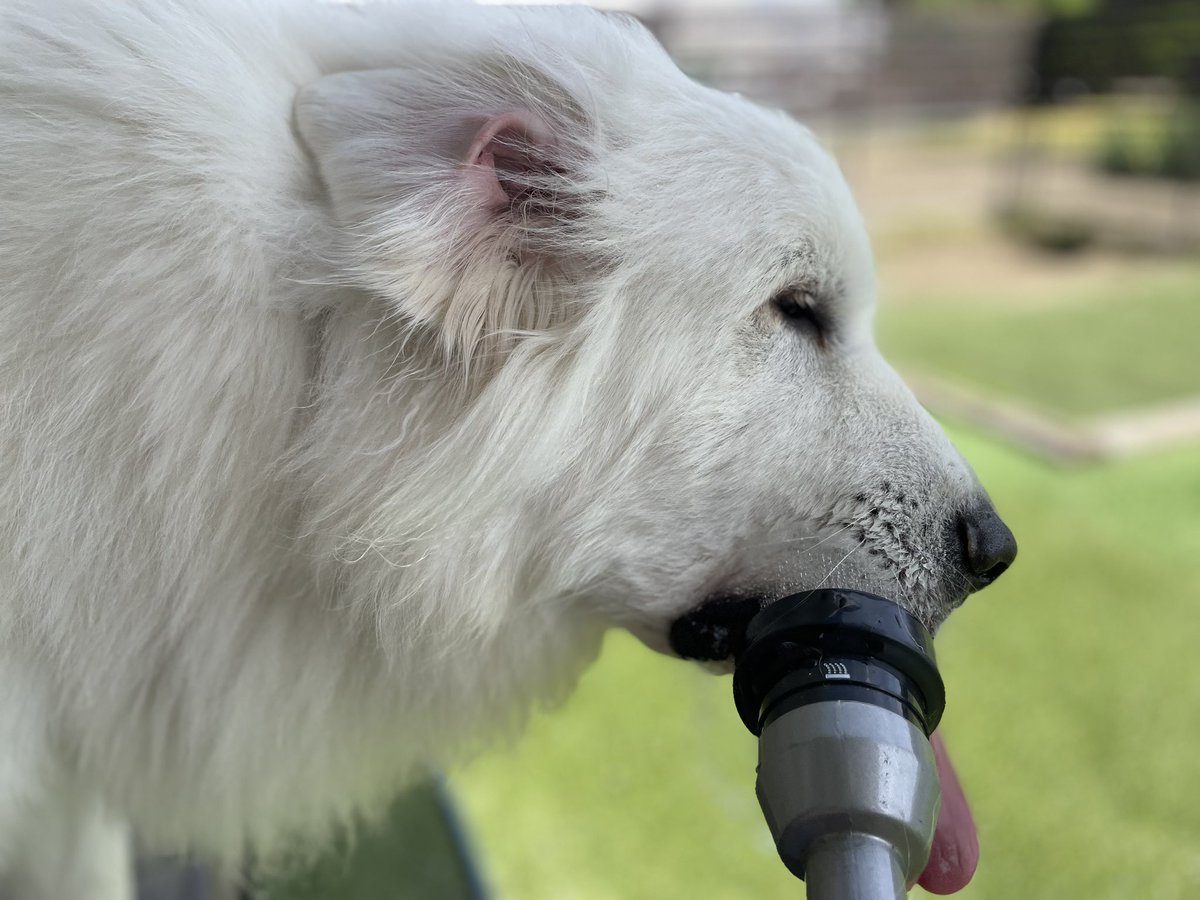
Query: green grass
x=1129 y=346
x=1074 y=718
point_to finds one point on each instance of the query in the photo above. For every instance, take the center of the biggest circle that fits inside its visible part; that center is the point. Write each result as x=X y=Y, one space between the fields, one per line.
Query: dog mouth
x=929 y=572
x=715 y=631
x=924 y=577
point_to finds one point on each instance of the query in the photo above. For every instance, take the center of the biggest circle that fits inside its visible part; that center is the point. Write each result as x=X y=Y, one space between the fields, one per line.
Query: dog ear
x=456 y=192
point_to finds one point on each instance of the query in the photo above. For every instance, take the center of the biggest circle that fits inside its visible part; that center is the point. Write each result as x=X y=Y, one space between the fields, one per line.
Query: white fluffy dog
x=360 y=365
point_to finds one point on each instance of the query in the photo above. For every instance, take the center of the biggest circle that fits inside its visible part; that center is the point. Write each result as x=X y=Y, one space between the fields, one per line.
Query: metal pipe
x=853 y=866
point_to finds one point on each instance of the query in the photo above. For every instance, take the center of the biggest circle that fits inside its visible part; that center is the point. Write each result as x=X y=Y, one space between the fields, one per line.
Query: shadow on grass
x=418 y=854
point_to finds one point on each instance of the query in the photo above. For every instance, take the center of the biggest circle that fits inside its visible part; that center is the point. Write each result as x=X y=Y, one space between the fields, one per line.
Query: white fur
x=317 y=464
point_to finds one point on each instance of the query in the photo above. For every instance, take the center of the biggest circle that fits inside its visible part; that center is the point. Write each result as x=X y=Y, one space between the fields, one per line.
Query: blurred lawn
x=1074 y=713
x=1130 y=345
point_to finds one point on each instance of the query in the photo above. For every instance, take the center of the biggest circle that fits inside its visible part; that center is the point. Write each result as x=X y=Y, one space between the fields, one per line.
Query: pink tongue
x=955 y=851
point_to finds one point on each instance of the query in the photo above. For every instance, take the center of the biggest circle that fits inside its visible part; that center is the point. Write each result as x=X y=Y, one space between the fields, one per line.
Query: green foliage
x=1068 y=8
x=1052 y=233
x=1117 y=39
x=1169 y=150
x=1181 y=146
x=1119 y=155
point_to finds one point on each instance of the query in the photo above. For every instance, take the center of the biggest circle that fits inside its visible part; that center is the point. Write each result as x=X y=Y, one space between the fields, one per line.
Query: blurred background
x=1030 y=173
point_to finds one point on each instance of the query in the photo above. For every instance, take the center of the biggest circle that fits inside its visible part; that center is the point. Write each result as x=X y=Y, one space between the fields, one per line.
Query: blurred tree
x=1118 y=39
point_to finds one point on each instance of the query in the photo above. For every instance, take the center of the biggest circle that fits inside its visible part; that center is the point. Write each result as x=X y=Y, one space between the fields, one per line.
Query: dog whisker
x=783 y=542
x=838 y=564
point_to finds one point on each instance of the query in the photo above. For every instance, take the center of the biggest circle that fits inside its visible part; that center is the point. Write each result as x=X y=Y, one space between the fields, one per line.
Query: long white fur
x=314 y=467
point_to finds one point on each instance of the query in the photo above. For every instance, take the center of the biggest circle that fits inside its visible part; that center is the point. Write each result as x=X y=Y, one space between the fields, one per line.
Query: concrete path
x=1111 y=436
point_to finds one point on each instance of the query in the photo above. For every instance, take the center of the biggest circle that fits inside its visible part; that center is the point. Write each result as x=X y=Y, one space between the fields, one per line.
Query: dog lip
x=715 y=630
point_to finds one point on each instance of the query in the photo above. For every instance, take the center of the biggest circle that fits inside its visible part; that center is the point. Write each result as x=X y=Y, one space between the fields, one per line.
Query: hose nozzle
x=842 y=689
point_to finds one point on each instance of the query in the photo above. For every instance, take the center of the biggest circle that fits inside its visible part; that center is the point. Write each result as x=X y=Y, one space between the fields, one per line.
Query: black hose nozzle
x=842 y=645
x=843 y=691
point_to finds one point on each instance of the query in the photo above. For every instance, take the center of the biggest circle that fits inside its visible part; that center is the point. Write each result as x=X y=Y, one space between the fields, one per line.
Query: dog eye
x=799 y=309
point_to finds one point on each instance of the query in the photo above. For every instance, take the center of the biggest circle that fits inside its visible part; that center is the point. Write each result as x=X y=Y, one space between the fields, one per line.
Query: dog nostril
x=993 y=573
x=989 y=548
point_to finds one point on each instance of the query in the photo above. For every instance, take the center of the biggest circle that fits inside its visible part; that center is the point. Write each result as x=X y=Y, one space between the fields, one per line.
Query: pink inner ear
x=496 y=139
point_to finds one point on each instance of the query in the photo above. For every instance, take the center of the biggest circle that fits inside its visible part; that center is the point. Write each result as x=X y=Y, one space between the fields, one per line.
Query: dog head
x=630 y=366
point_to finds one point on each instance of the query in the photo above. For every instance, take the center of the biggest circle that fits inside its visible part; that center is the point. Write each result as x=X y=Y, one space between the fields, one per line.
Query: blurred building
x=819 y=56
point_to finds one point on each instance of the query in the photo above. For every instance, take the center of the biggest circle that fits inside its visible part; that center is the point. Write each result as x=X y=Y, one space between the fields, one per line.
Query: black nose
x=989 y=548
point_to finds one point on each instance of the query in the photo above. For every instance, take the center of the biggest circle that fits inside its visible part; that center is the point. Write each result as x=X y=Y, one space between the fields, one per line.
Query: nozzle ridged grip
x=837 y=644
